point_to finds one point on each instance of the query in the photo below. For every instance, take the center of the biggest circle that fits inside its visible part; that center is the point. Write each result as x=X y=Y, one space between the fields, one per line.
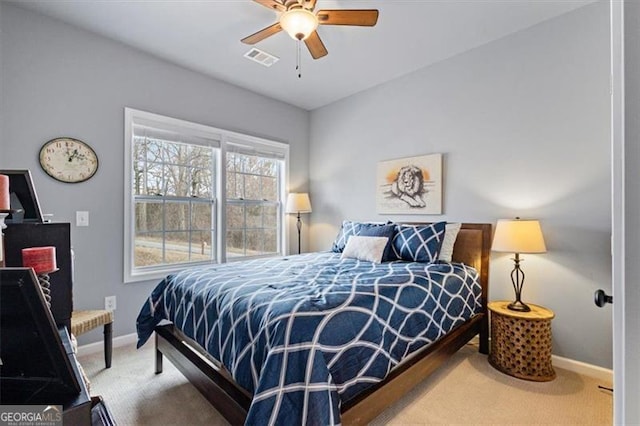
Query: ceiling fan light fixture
x=299 y=23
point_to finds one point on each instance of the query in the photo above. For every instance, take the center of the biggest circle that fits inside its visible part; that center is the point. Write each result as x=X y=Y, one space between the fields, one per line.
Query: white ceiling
x=205 y=36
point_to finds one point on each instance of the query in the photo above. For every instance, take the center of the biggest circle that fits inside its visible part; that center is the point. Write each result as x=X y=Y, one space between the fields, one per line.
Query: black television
x=23 y=197
x=34 y=367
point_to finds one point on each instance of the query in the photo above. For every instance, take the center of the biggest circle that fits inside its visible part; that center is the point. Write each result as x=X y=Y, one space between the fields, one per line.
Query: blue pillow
x=418 y=243
x=382 y=231
x=348 y=229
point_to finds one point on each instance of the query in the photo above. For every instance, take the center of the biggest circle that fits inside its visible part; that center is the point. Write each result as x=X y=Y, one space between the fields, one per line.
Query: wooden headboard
x=473 y=247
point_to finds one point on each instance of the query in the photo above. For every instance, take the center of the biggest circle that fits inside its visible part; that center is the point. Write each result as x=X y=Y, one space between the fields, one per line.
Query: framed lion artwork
x=411 y=185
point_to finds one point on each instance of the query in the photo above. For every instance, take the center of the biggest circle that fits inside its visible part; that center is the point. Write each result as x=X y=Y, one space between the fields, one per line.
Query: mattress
x=305 y=333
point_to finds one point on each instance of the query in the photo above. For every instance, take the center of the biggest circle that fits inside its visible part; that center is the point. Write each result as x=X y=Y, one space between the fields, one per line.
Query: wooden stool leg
x=108 y=344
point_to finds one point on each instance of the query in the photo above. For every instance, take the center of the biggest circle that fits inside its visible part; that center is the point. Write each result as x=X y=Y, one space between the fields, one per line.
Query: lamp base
x=45 y=285
x=518 y=306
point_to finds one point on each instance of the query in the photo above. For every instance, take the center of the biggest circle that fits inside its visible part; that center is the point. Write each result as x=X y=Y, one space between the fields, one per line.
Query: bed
x=317 y=338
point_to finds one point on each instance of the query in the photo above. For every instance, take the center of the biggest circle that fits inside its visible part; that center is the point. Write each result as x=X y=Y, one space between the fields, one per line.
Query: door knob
x=601 y=298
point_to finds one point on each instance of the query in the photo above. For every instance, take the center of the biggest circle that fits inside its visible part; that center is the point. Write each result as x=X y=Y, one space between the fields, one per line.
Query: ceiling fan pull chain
x=298 y=62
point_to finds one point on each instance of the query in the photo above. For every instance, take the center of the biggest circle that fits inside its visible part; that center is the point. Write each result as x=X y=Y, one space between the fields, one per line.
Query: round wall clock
x=68 y=160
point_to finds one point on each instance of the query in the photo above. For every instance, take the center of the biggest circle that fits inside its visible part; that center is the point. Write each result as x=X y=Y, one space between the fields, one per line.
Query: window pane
x=270 y=168
x=177 y=180
x=270 y=217
x=240 y=186
x=175 y=153
x=176 y=216
x=138 y=178
x=253 y=164
x=252 y=189
x=177 y=247
x=201 y=183
x=148 y=249
x=148 y=216
x=254 y=216
x=269 y=188
x=201 y=246
x=153 y=152
x=201 y=216
x=235 y=243
x=154 y=179
x=231 y=162
x=235 y=216
x=242 y=163
x=254 y=242
x=270 y=241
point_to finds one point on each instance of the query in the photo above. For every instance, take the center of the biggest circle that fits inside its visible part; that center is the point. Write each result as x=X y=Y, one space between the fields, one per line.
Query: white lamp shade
x=518 y=236
x=298 y=23
x=298 y=202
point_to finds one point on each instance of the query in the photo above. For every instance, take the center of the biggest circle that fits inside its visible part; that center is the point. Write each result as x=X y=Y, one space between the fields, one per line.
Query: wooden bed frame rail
x=472 y=247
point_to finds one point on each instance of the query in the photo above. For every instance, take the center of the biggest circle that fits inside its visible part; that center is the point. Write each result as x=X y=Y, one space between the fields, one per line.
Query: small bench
x=84 y=321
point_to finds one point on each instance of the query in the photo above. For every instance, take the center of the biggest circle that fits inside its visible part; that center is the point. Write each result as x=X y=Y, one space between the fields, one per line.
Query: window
x=176 y=211
x=253 y=209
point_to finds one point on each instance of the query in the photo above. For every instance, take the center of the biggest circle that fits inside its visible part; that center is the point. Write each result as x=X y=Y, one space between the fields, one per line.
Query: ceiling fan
x=300 y=22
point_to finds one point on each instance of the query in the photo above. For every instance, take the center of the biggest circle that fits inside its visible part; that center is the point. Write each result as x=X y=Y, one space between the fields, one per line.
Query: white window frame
x=226 y=139
x=255 y=146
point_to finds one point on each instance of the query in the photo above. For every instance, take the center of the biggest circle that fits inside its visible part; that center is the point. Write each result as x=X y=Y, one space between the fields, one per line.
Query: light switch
x=82 y=218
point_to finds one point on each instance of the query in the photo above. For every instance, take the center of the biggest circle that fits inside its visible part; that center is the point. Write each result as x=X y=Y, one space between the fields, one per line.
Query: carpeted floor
x=467 y=390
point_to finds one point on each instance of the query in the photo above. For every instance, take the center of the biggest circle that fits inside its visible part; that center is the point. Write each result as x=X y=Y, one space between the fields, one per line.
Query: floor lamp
x=298 y=202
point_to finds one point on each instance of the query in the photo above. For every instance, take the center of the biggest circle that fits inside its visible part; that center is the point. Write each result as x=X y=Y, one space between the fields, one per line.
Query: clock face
x=68 y=160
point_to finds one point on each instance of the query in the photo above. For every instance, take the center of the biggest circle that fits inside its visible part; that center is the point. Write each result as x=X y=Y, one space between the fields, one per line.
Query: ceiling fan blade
x=315 y=46
x=272 y=4
x=262 y=34
x=361 y=17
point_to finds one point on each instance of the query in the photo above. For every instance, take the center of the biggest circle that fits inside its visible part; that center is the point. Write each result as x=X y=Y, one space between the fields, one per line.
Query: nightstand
x=521 y=342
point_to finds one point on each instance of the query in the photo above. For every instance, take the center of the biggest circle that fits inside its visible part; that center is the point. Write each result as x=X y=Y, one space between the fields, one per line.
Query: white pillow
x=365 y=248
x=450 y=234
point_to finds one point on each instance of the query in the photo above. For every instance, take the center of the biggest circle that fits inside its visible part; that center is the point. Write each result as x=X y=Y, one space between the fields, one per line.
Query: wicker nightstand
x=521 y=342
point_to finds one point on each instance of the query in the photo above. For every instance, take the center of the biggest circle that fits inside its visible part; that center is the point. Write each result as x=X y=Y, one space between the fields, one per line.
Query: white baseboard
x=599 y=373
x=92 y=348
x=579 y=367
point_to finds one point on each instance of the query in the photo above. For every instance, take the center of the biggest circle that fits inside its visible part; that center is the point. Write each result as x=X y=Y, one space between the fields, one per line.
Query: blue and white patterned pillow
x=348 y=229
x=418 y=243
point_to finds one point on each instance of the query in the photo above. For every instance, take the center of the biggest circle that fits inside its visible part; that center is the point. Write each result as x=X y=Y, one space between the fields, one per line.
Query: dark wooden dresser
x=23 y=235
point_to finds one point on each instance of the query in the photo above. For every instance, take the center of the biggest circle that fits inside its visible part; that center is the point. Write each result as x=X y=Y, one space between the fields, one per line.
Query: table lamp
x=518 y=236
x=43 y=262
x=298 y=202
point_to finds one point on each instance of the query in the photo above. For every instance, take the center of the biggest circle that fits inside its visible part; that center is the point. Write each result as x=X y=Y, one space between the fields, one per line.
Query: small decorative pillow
x=365 y=248
x=348 y=229
x=382 y=231
x=450 y=234
x=418 y=243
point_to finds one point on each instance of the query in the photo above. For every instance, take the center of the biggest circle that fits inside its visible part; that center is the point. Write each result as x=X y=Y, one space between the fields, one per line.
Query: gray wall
x=61 y=81
x=523 y=123
x=632 y=210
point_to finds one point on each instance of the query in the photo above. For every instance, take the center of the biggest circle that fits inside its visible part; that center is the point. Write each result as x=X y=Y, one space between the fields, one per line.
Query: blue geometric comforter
x=305 y=333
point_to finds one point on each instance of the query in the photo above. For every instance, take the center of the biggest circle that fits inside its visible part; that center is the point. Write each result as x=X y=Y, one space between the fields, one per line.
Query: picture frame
x=411 y=185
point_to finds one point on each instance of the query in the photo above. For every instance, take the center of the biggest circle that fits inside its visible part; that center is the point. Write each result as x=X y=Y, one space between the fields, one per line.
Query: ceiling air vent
x=263 y=58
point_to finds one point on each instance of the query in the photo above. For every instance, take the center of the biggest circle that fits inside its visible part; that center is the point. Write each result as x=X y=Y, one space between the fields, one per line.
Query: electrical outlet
x=110 y=303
